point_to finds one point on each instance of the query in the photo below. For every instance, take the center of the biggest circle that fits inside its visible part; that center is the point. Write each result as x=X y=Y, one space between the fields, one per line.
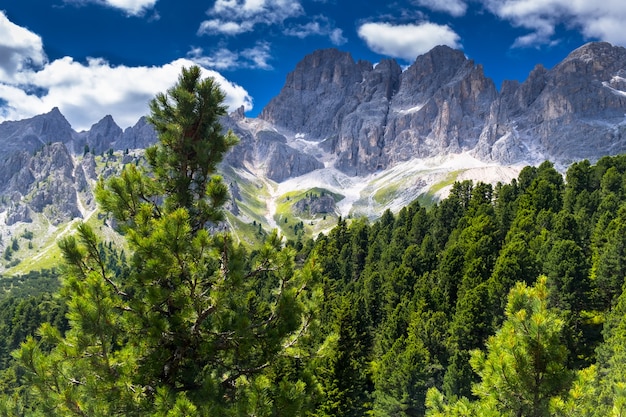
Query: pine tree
x=523 y=368
x=193 y=325
x=343 y=371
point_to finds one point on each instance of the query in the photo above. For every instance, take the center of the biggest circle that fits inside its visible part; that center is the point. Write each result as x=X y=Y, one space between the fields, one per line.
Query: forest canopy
x=502 y=300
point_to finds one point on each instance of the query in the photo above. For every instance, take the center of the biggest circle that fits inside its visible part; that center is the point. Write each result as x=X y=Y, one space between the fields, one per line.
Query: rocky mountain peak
x=139 y=136
x=601 y=52
x=31 y=134
x=441 y=59
x=100 y=137
x=51 y=123
x=324 y=67
x=322 y=80
x=106 y=126
x=529 y=90
x=572 y=111
x=596 y=61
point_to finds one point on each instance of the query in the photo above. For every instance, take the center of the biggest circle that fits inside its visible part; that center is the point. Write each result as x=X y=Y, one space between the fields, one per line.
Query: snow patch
x=614 y=90
x=415 y=177
x=410 y=110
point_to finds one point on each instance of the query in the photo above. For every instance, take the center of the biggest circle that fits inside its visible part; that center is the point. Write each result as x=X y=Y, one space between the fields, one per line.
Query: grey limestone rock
x=314 y=204
x=100 y=137
x=317 y=94
x=265 y=149
x=54 y=191
x=441 y=107
x=575 y=110
x=372 y=117
x=18 y=213
x=139 y=136
x=32 y=134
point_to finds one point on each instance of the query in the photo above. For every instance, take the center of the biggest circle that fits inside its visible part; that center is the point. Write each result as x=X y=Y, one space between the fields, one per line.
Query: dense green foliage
x=189 y=324
x=432 y=290
x=497 y=301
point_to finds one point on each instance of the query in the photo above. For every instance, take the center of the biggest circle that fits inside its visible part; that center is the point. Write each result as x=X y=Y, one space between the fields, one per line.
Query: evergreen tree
x=523 y=368
x=343 y=369
x=611 y=367
x=192 y=326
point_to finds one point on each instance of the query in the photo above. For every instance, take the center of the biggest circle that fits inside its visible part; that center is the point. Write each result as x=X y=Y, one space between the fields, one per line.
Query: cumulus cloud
x=226 y=59
x=232 y=17
x=86 y=92
x=407 y=41
x=259 y=55
x=319 y=26
x=130 y=7
x=219 y=26
x=19 y=49
x=455 y=8
x=595 y=20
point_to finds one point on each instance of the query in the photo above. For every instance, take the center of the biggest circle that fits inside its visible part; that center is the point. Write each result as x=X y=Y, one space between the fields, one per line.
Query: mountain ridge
x=377 y=135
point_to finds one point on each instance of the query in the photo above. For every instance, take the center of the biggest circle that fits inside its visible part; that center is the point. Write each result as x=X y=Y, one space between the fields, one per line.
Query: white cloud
x=320 y=26
x=453 y=7
x=226 y=59
x=336 y=37
x=87 y=92
x=220 y=59
x=19 y=48
x=130 y=7
x=232 y=17
x=259 y=55
x=407 y=41
x=601 y=20
x=218 y=26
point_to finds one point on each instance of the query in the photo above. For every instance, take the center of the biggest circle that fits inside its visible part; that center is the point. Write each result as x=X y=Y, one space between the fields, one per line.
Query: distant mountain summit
x=574 y=111
x=361 y=118
x=348 y=127
x=372 y=117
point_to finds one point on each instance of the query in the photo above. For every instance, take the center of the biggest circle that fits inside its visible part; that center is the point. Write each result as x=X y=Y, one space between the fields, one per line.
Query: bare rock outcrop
x=315 y=204
x=139 y=136
x=441 y=107
x=574 y=111
x=372 y=117
x=263 y=149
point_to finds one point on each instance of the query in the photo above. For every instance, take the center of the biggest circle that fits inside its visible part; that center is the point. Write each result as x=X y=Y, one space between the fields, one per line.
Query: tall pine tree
x=193 y=325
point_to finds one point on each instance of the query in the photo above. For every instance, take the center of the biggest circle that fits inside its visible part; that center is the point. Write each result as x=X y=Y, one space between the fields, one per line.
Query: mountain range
x=342 y=137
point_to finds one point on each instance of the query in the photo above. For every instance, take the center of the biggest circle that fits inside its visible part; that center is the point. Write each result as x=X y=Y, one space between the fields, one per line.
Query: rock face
x=139 y=136
x=356 y=117
x=265 y=151
x=371 y=118
x=574 y=111
x=315 y=204
x=100 y=137
x=32 y=134
x=441 y=107
x=330 y=97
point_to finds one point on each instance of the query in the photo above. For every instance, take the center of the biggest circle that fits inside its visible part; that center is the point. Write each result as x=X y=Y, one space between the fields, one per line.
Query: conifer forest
x=502 y=300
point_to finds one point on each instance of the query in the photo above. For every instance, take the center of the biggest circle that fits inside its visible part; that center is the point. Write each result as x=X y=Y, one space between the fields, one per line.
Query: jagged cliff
x=372 y=117
x=348 y=122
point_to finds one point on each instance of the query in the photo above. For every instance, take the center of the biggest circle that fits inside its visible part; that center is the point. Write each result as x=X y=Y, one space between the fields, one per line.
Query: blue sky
x=91 y=58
